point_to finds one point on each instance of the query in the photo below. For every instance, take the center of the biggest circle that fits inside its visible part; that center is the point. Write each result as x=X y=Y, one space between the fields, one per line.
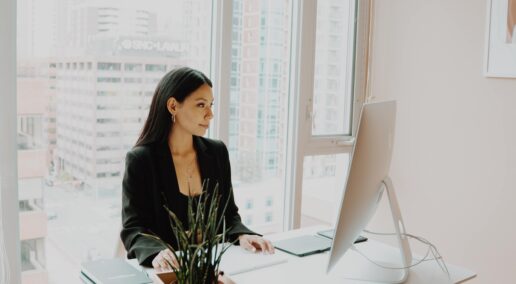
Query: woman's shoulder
x=211 y=144
x=141 y=152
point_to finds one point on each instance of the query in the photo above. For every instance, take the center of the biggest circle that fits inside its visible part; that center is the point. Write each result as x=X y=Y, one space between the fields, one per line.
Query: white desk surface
x=312 y=269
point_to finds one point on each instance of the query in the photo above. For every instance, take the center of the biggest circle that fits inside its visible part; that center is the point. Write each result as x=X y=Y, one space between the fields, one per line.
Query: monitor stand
x=406 y=254
x=382 y=275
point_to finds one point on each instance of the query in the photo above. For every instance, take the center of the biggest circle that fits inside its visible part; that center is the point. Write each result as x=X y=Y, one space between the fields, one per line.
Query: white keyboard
x=237 y=260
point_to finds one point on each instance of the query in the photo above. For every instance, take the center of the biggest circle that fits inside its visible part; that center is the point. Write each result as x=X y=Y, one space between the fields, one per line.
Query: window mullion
x=221 y=66
x=301 y=90
x=9 y=215
x=363 y=40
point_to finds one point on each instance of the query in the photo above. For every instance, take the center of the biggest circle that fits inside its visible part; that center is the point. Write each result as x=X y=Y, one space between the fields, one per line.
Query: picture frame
x=500 y=50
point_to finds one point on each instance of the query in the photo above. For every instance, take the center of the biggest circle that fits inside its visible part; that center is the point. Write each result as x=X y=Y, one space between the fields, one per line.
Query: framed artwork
x=500 y=57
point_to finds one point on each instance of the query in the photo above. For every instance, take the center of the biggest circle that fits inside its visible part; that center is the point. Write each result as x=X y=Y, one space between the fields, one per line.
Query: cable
x=431 y=249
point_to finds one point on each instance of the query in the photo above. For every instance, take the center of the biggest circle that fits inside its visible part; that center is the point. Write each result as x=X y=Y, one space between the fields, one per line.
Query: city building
x=258 y=103
x=332 y=103
x=105 y=80
x=34 y=95
x=102 y=102
x=80 y=23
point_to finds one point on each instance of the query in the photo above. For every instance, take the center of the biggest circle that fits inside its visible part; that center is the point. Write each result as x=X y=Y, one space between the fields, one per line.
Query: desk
x=312 y=269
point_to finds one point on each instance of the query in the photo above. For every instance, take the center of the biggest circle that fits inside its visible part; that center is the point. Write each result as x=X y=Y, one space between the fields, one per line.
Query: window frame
x=300 y=139
x=8 y=147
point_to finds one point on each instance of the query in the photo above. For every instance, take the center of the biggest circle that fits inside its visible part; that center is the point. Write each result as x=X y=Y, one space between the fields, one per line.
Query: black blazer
x=149 y=174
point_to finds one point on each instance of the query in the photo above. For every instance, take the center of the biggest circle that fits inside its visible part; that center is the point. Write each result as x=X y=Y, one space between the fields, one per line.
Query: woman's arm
x=136 y=211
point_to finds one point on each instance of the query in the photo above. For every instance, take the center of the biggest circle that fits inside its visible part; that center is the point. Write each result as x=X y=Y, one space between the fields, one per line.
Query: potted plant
x=197 y=251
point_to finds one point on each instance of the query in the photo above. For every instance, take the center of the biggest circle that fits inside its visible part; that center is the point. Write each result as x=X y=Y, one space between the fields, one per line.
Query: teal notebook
x=112 y=271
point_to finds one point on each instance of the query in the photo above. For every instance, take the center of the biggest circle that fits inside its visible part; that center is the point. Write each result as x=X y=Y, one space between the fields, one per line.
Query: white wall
x=454 y=163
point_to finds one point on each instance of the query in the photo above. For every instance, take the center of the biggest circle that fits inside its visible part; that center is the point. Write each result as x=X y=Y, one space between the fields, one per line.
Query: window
x=72 y=142
x=332 y=55
x=331 y=113
x=256 y=93
x=248 y=220
x=76 y=152
x=323 y=183
x=249 y=204
x=108 y=80
x=155 y=67
x=268 y=217
x=133 y=67
x=109 y=66
x=269 y=201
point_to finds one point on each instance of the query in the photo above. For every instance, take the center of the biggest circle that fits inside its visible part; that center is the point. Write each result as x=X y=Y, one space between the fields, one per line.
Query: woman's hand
x=255 y=243
x=163 y=260
x=223 y=279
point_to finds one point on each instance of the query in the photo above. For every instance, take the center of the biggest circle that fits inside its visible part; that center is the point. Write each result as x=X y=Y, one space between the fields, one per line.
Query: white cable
x=4 y=264
x=431 y=249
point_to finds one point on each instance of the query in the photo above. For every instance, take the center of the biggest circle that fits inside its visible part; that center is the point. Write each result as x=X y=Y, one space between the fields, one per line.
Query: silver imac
x=367 y=179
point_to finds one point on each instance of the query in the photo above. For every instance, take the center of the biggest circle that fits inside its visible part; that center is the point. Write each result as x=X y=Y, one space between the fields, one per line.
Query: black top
x=150 y=179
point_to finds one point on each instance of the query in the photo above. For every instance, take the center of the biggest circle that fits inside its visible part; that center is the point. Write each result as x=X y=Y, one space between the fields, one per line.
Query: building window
x=248 y=220
x=268 y=217
x=249 y=204
x=269 y=201
x=109 y=66
x=155 y=67
x=133 y=67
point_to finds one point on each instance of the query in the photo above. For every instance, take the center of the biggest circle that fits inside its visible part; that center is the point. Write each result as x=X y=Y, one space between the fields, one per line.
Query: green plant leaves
x=196 y=250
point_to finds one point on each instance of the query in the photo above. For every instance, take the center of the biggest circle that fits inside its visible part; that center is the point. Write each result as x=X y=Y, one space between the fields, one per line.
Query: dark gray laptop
x=309 y=244
x=304 y=245
x=331 y=232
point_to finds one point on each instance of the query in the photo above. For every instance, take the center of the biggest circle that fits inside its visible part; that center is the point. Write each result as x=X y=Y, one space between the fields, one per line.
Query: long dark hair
x=179 y=84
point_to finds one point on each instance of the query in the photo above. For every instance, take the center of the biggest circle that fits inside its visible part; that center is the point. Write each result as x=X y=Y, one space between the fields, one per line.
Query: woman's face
x=194 y=114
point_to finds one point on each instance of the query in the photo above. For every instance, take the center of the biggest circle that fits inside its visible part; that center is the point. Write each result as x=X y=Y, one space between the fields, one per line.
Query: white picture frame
x=500 y=54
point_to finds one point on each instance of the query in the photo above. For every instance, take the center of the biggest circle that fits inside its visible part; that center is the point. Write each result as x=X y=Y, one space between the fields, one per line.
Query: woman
x=170 y=161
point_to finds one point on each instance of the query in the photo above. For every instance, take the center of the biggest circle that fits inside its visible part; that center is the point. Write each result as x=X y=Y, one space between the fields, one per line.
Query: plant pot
x=165 y=278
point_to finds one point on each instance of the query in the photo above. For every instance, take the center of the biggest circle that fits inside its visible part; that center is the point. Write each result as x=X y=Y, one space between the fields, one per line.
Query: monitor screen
x=370 y=161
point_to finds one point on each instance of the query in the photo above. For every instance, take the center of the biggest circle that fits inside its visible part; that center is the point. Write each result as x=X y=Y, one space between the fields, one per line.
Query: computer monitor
x=367 y=178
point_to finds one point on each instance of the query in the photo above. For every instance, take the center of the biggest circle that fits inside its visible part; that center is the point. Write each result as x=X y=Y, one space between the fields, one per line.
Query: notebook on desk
x=112 y=271
x=237 y=260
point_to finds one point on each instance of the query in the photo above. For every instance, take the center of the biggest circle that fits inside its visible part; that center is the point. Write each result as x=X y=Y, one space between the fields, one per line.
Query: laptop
x=310 y=244
x=304 y=245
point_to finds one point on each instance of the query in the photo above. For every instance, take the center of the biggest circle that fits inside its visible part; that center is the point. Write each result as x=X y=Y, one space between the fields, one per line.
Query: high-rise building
x=259 y=104
x=102 y=103
x=104 y=84
x=81 y=23
x=196 y=26
x=263 y=88
x=258 y=97
x=331 y=106
x=34 y=93
x=36 y=26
